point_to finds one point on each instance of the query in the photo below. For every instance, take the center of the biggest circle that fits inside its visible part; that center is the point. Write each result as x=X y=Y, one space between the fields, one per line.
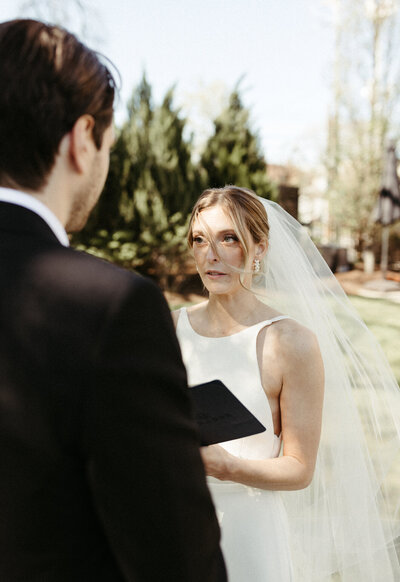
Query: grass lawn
x=383 y=319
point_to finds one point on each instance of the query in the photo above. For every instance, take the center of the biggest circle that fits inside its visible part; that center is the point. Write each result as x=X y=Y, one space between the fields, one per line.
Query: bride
x=270 y=331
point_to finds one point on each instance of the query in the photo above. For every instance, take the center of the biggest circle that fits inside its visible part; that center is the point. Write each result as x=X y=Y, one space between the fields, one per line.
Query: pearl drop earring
x=256 y=265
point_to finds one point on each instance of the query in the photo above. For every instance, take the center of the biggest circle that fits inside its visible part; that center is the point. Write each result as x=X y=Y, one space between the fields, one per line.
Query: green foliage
x=141 y=219
x=232 y=154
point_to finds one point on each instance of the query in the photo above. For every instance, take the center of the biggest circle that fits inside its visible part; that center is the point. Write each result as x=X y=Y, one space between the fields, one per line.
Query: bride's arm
x=301 y=401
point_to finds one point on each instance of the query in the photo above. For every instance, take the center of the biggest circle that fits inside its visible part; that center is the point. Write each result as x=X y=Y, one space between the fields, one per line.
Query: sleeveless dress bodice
x=233 y=360
x=254 y=528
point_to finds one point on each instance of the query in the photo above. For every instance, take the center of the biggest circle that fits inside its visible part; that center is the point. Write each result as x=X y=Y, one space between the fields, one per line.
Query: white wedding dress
x=255 y=538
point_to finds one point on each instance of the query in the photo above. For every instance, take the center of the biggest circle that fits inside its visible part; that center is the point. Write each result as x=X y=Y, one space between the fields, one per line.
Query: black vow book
x=220 y=415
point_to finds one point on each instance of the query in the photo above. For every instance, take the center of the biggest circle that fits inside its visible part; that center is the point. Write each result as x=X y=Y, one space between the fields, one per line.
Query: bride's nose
x=211 y=255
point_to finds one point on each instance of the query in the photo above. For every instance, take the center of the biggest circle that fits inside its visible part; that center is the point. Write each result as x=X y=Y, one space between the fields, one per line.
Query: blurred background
x=298 y=100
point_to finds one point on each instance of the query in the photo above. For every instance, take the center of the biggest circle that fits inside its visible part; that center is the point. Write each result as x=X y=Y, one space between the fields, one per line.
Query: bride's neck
x=227 y=311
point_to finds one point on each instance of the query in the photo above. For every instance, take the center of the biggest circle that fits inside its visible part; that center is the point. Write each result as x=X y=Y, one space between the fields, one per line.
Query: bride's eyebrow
x=198 y=232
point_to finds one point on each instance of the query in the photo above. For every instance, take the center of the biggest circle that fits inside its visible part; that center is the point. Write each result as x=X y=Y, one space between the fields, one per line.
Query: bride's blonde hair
x=244 y=209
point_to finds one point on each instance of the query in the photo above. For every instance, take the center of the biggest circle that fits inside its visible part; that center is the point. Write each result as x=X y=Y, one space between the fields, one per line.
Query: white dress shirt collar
x=33 y=204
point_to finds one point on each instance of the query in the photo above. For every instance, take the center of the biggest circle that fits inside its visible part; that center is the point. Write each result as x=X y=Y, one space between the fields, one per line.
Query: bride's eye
x=230 y=238
x=198 y=240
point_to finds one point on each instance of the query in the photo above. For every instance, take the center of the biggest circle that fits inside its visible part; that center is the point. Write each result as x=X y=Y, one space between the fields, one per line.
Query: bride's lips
x=215 y=274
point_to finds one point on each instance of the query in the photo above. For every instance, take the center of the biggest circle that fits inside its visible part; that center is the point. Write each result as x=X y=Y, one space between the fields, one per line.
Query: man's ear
x=81 y=144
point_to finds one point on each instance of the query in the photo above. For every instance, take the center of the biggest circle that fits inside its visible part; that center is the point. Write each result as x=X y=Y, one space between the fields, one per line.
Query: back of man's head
x=49 y=79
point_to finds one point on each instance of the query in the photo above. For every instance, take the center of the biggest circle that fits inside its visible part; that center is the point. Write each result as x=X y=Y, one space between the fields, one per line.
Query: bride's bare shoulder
x=175 y=316
x=292 y=339
x=194 y=311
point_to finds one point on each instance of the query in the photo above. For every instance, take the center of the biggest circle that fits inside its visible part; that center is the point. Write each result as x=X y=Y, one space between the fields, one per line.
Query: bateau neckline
x=271 y=320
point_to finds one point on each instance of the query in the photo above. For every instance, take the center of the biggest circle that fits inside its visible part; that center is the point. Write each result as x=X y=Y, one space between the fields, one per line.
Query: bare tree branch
x=365 y=108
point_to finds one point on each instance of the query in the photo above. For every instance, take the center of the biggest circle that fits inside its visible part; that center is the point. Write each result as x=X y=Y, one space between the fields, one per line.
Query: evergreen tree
x=232 y=154
x=107 y=213
x=176 y=177
x=141 y=218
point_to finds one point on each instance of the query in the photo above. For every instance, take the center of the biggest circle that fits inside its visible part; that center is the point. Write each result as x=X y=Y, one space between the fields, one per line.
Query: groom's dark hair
x=48 y=80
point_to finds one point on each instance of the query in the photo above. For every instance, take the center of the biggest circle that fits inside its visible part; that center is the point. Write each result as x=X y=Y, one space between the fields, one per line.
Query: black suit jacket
x=100 y=473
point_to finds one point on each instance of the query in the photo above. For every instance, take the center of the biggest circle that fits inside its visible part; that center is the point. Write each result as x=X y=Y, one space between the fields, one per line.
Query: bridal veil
x=344 y=526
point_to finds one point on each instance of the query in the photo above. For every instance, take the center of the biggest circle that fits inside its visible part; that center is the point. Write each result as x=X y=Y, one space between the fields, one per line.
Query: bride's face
x=215 y=264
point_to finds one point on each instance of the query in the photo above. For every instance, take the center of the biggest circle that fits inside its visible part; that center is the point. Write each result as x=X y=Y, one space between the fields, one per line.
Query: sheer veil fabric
x=344 y=526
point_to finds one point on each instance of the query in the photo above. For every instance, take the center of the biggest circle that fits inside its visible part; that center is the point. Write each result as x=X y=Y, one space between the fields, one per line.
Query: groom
x=100 y=472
